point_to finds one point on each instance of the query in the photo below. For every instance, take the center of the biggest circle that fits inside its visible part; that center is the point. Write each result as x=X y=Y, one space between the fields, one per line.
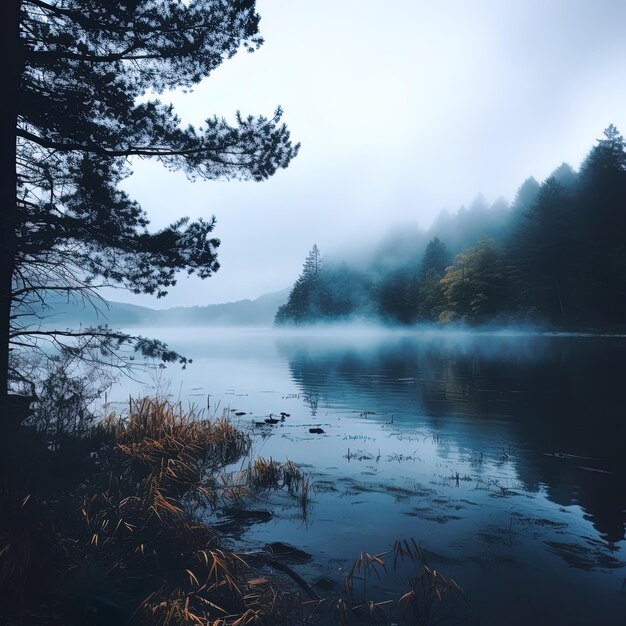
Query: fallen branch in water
x=268 y=559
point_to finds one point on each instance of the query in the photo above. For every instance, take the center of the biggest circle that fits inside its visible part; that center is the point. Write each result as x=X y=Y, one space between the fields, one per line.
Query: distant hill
x=259 y=312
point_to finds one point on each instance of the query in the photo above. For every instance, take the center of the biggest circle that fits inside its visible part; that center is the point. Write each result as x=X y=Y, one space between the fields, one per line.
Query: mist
x=402 y=114
x=298 y=297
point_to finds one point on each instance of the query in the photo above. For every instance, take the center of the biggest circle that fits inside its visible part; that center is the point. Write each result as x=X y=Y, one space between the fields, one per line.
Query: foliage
x=431 y=299
x=436 y=258
x=83 y=81
x=392 y=296
x=526 y=195
x=303 y=292
x=540 y=254
x=65 y=398
x=109 y=528
x=557 y=256
x=474 y=285
x=600 y=225
x=323 y=292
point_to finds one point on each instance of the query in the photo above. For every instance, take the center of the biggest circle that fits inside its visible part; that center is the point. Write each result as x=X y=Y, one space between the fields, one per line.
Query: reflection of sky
x=403 y=416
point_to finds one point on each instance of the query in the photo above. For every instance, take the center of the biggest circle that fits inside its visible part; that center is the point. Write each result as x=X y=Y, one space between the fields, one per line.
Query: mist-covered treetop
x=556 y=255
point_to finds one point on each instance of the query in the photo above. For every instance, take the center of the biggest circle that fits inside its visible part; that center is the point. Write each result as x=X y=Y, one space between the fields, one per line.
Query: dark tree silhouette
x=393 y=296
x=565 y=175
x=567 y=254
x=78 y=84
x=303 y=301
x=437 y=257
x=601 y=224
x=541 y=255
x=557 y=255
x=324 y=292
x=430 y=295
x=526 y=195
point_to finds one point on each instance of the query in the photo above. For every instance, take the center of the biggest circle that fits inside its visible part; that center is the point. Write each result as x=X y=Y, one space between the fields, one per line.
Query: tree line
x=556 y=255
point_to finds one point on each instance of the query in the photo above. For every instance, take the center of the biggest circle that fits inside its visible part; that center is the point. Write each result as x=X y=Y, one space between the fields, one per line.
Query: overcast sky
x=403 y=108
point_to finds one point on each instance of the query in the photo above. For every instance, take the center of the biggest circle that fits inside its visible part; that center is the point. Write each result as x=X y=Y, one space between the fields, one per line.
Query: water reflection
x=558 y=401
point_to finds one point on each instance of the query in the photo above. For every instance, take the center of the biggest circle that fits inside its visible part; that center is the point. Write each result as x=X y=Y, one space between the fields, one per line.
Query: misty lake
x=502 y=454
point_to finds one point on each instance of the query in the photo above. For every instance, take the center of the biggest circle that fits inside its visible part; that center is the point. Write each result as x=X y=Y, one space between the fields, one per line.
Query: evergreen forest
x=555 y=256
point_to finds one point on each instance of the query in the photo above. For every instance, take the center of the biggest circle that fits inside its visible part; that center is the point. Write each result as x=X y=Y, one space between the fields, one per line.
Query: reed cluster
x=105 y=529
x=113 y=527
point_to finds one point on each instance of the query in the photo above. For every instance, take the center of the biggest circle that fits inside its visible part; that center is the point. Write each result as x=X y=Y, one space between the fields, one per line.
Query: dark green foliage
x=323 y=293
x=343 y=292
x=526 y=195
x=393 y=297
x=565 y=176
x=567 y=256
x=303 y=299
x=86 y=78
x=541 y=253
x=558 y=255
x=431 y=300
x=436 y=258
x=601 y=226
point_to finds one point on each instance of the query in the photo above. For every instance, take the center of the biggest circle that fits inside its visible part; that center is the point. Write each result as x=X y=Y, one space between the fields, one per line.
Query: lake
x=503 y=454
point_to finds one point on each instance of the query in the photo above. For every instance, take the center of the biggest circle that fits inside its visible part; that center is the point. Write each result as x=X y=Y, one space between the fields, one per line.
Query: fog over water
x=402 y=111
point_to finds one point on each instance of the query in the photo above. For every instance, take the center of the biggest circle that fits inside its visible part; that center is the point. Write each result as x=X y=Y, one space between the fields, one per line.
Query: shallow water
x=503 y=454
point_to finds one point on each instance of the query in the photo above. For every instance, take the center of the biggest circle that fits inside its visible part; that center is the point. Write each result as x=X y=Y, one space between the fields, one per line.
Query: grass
x=110 y=528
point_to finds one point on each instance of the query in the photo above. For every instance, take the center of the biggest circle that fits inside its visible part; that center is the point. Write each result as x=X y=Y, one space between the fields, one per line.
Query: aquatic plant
x=430 y=596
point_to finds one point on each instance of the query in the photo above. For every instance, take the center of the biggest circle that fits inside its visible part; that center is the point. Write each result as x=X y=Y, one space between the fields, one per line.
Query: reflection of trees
x=542 y=395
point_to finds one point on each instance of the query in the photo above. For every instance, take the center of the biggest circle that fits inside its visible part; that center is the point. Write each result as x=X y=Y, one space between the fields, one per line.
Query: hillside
x=258 y=312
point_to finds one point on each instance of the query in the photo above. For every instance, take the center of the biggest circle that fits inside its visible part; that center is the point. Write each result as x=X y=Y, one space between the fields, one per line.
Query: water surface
x=503 y=454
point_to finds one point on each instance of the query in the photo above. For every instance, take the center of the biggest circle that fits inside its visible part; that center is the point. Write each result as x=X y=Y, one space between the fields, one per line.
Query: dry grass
x=431 y=597
x=262 y=475
x=122 y=538
x=269 y=474
x=111 y=531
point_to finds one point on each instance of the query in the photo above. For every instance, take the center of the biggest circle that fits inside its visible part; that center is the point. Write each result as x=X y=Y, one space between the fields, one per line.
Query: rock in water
x=287 y=552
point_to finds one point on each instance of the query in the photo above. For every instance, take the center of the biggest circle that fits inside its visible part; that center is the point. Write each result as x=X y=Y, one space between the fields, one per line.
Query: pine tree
x=436 y=257
x=304 y=299
x=526 y=195
x=312 y=265
x=541 y=255
x=430 y=295
x=601 y=224
x=78 y=84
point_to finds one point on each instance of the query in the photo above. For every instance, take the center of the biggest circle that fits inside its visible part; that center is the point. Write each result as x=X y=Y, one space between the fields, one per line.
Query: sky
x=403 y=109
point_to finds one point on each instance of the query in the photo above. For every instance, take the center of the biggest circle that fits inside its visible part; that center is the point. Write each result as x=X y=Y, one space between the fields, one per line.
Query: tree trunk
x=11 y=53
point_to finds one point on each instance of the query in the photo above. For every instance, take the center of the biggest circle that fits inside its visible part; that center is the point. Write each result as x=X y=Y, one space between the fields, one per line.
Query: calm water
x=504 y=455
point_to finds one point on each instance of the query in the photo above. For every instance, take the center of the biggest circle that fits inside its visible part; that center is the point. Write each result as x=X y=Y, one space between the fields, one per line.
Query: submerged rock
x=325 y=584
x=287 y=552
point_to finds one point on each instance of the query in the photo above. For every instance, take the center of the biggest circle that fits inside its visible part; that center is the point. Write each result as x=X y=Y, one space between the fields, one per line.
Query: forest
x=204 y=475
x=554 y=256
